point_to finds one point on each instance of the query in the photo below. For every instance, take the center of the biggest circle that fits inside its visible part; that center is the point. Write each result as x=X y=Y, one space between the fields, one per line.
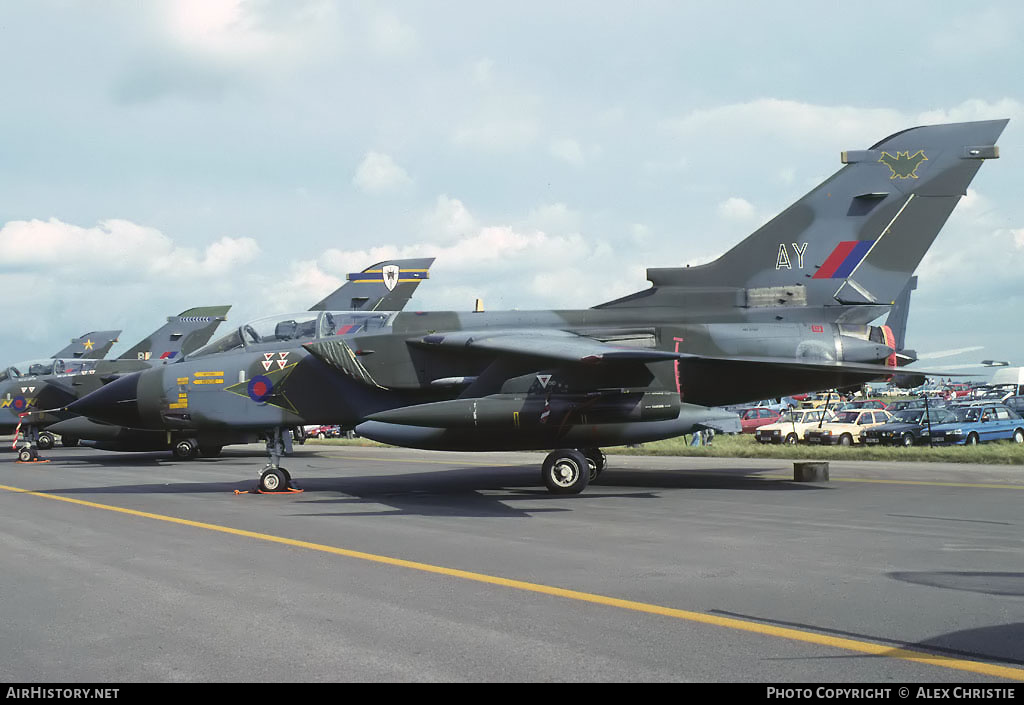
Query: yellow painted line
x=864 y=647
x=976 y=485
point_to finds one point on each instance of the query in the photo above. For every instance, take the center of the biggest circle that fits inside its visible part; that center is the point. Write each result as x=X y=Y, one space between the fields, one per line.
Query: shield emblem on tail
x=390 y=272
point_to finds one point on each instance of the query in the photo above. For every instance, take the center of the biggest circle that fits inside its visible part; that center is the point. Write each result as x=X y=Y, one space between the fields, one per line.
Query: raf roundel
x=260 y=388
x=19 y=403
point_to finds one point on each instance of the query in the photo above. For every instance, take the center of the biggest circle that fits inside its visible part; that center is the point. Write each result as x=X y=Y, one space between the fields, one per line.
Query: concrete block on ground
x=816 y=471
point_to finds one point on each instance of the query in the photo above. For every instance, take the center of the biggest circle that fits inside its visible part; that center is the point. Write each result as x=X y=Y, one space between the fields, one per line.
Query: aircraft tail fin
x=898 y=315
x=182 y=334
x=853 y=240
x=89 y=346
x=385 y=286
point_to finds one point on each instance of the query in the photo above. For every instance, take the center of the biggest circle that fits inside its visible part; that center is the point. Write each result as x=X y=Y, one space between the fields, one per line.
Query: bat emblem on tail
x=903 y=165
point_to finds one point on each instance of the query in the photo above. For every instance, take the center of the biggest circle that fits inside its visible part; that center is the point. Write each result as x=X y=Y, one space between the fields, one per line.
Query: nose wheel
x=275 y=479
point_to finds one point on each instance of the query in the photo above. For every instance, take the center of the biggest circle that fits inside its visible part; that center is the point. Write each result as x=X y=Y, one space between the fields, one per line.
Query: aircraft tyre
x=908 y=440
x=210 y=451
x=27 y=455
x=68 y=441
x=565 y=471
x=46 y=441
x=185 y=450
x=274 y=480
x=597 y=461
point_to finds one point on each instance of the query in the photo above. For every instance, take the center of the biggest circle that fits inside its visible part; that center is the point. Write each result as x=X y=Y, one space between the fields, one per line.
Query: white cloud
x=567 y=150
x=390 y=36
x=738 y=209
x=378 y=173
x=116 y=274
x=243 y=30
x=483 y=72
x=1018 y=237
x=449 y=219
x=117 y=246
x=555 y=218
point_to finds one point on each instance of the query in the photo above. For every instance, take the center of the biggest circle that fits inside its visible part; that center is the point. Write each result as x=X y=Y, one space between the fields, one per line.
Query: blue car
x=978 y=423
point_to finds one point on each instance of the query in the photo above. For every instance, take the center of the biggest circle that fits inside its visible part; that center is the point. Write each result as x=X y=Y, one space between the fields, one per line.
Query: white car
x=790 y=428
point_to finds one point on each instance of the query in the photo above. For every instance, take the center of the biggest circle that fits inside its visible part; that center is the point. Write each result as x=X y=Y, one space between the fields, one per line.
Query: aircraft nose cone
x=116 y=402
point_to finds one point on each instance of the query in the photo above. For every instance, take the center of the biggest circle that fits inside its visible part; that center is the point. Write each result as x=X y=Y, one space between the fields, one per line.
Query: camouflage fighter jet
x=47 y=384
x=384 y=286
x=784 y=311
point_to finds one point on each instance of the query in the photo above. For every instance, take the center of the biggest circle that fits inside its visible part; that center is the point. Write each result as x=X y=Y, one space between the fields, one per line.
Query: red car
x=754 y=417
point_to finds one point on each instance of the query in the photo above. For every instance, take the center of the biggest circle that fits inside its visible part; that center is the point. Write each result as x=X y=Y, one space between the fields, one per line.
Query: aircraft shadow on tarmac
x=486 y=491
x=1000 y=642
x=987 y=583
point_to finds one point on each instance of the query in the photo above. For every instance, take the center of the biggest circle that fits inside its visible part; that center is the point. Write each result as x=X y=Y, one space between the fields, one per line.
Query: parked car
x=979 y=423
x=863 y=404
x=817 y=401
x=902 y=404
x=1016 y=403
x=908 y=427
x=754 y=417
x=325 y=432
x=845 y=429
x=791 y=425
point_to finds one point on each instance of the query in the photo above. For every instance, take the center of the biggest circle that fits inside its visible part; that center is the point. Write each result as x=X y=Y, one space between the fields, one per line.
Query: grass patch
x=358 y=442
x=746 y=446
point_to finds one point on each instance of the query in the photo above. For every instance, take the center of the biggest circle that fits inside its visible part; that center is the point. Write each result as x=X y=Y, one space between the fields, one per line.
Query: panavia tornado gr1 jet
x=47 y=384
x=785 y=311
x=384 y=286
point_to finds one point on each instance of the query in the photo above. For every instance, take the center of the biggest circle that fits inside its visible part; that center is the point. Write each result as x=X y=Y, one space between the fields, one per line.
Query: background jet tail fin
x=898 y=315
x=89 y=346
x=182 y=334
x=854 y=239
x=385 y=286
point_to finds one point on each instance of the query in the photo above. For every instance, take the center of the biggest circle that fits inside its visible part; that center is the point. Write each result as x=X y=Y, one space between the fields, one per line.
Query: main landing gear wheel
x=566 y=471
x=275 y=480
x=596 y=460
x=185 y=450
x=46 y=441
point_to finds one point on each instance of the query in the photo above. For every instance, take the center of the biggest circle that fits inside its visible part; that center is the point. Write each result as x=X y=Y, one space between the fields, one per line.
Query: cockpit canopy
x=295 y=328
x=45 y=366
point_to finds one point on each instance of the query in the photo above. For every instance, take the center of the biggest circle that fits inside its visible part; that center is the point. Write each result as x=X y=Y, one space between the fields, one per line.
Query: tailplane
x=182 y=334
x=855 y=240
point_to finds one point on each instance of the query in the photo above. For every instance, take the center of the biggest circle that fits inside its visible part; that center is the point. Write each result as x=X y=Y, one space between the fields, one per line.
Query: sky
x=163 y=155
